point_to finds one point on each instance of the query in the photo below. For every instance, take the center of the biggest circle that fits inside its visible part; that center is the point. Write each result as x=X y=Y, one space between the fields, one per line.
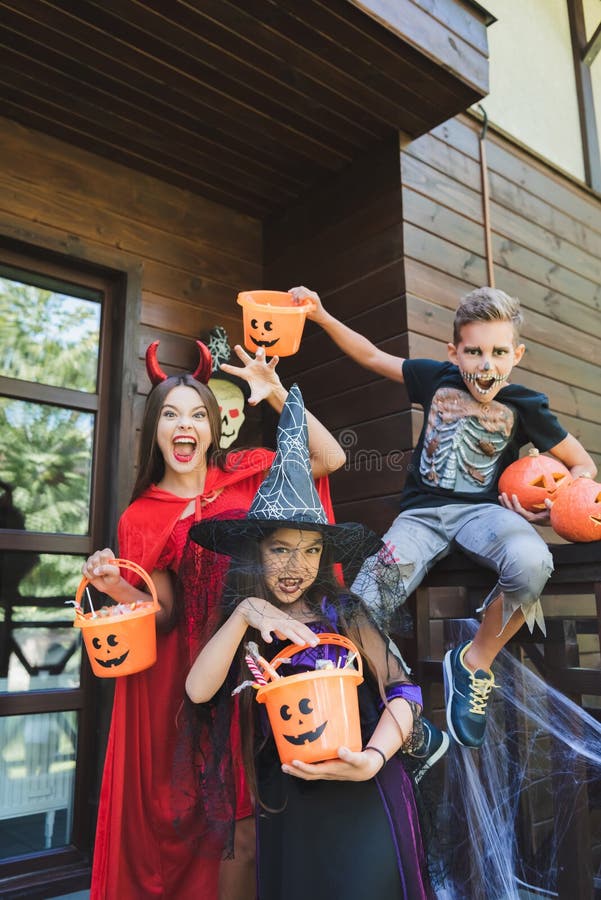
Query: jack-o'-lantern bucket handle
x=120 y=643
x=133 y=567
x=324 y=638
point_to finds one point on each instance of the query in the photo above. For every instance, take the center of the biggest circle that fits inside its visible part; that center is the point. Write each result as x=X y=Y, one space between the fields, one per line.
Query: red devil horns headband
x=202 y=372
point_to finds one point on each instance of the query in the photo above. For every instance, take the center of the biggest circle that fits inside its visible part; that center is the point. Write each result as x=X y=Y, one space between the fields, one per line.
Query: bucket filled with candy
x=315 y=712
x=119 y=639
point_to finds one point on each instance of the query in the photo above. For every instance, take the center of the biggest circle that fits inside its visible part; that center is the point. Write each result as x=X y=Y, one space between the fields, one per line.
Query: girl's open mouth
x=184 y=449
x=290 y=585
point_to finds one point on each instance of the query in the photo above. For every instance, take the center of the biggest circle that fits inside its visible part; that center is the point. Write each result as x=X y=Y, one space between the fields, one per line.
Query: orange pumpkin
x=534 y=479
x=576 y=514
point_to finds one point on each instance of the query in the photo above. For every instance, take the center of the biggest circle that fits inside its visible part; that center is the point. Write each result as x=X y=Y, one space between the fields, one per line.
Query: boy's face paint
x=290 y=559
x=485 y=356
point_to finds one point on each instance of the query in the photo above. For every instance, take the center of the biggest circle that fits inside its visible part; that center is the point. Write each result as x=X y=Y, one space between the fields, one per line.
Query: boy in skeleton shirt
x=475 y=422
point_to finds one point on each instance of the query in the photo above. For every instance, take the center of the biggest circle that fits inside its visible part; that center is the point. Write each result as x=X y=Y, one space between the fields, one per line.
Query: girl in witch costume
x=347 y=827
x=149 y=841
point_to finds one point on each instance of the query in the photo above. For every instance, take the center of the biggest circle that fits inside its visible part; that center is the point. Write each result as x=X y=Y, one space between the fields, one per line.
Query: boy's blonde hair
x=487 y=304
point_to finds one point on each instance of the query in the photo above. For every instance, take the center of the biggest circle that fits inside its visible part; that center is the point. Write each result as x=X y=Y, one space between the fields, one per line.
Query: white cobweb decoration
x=541 y=757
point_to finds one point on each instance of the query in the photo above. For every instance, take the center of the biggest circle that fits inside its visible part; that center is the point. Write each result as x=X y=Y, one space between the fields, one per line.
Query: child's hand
x=539 y=518
x=100 y=572
x=301 y=294
x=260 y=375
x=348 y=767
x=269 y=620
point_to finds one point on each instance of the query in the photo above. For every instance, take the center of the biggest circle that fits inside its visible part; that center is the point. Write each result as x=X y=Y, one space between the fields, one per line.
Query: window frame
x=68 y=867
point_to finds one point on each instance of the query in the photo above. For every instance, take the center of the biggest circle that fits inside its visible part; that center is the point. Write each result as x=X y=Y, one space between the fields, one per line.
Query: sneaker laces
x=480 y=689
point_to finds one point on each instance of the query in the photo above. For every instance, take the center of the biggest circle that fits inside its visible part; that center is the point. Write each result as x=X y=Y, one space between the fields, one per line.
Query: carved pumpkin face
x=534 y=479
x=300 y=716
x=576 y=514
x=273 y=321
x=315 y=712
x=112 y=649
x=262 y=333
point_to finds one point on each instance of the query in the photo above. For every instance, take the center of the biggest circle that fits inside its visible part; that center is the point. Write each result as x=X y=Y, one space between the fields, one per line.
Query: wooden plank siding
x=445 y=28
x=346 y=240
x=401 y=290
x=194 y=254
x=546 y=239
x=247 y=102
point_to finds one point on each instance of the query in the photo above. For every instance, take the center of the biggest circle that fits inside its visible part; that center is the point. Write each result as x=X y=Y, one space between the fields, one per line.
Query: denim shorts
x=491 y=535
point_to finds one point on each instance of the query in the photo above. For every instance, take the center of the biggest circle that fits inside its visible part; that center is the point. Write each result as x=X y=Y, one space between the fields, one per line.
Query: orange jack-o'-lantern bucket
x=273 y=321
x=316 y=712
x=120 y=644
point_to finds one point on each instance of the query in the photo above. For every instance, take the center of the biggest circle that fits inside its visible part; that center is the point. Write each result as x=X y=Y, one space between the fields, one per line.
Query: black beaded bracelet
x=377 y=750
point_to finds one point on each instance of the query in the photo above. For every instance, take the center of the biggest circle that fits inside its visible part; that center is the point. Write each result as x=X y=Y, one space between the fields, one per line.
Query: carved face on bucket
x=534 y=479
x=113 y=651
x=264 y=332
x=299 y=713
x=231 y=406
x=576 y=514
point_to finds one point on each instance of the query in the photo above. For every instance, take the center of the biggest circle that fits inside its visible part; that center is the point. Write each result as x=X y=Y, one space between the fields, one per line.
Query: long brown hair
x=151 y=465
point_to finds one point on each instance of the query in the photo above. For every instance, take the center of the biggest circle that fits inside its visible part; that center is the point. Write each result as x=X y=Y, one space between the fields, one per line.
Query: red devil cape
x=139 y=851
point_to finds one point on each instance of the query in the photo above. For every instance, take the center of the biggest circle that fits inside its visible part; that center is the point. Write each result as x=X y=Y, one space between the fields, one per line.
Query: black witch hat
x=288 y=498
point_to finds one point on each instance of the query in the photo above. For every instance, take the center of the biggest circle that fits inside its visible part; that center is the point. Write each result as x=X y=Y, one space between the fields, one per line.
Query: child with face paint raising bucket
x=475 y=422
x=344 y=827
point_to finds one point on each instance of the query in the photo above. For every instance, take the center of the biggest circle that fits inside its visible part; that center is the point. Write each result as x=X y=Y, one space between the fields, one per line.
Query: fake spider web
x=508 y=814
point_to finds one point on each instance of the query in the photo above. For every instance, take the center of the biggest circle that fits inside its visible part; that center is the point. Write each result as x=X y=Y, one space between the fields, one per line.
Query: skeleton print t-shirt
x=464 y=445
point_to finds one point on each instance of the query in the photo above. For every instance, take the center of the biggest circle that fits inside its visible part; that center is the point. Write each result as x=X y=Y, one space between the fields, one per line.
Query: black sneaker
x=433 y=747
x=467 y=696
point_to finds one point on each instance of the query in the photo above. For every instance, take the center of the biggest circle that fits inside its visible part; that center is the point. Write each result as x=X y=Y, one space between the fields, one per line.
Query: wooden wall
x=546 y=242
x=345 y=240
x=194 y=254
x=393 y=245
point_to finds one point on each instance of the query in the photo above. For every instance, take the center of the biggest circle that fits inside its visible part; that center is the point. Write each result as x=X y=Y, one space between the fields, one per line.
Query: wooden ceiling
x=247 y=102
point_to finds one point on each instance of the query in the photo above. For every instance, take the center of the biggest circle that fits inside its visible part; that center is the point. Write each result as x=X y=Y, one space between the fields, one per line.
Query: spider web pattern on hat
x=288 y=493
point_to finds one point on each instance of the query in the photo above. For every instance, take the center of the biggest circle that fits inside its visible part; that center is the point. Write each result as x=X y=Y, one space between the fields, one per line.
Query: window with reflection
x=46 y=465
x=50 y=390
x=37 y=779
x=49 y=336
x=39 y=648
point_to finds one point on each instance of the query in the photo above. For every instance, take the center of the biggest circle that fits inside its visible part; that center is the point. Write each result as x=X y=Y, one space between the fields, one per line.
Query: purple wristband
x=411 y=692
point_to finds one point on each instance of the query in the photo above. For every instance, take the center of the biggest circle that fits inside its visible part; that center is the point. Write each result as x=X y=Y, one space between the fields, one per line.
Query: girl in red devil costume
x=150 y=837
